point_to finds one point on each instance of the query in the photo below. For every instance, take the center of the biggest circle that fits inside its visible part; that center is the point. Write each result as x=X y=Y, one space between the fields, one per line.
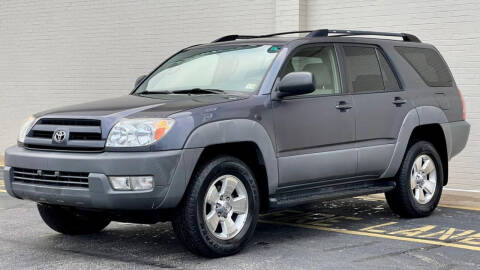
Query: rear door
x=380 y=103
x=315 y=133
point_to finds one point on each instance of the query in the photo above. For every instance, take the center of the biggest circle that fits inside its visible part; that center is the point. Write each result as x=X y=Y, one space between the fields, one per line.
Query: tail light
x=464 y=113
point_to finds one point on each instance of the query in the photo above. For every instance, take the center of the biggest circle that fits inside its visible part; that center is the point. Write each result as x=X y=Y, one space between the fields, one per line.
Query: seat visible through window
x=321 y=62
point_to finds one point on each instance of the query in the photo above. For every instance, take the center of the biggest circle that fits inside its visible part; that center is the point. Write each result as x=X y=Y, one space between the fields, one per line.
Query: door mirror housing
x=296 y=83
x=140 y=80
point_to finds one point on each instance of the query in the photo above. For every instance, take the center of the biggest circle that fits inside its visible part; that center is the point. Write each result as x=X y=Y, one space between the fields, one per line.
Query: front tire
x=219 y=212
x=70 y=221
x=419 y=182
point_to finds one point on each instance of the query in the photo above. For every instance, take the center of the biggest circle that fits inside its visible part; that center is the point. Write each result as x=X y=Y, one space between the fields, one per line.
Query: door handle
x=398 y=101
x=343 y=106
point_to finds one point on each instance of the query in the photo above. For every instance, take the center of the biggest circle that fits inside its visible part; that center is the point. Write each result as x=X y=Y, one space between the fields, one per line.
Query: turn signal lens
x=464 y=112
x=27 y=125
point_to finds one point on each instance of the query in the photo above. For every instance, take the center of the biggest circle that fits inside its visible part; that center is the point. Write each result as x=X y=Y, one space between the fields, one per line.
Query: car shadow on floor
x=149 y=244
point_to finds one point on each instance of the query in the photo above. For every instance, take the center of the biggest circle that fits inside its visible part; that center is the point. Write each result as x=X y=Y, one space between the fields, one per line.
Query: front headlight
x=27 y=125
x=138 y=132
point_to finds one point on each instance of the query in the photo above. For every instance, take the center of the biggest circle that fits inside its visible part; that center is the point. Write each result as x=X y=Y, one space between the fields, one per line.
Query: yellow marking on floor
x=379 y=235
x=440 y=204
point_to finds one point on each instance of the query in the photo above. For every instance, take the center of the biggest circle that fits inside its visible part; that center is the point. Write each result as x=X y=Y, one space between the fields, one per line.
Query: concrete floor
x=359 y=233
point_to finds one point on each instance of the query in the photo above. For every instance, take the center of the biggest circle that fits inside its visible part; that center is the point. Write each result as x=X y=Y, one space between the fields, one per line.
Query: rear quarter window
x=428 y=64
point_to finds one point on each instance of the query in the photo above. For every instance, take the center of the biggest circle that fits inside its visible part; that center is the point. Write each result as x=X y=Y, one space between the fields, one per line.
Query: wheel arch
x=421 y=123
x=241 y=138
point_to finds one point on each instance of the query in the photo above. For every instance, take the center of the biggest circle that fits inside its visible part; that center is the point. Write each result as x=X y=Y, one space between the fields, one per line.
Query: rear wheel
x=220 y=210
x=419 y=182
x=71 y=221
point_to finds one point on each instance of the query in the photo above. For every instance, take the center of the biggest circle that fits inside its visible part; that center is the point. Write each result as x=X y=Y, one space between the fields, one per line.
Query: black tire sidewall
x=243 y=174
x=417 y=149
x=70 y=221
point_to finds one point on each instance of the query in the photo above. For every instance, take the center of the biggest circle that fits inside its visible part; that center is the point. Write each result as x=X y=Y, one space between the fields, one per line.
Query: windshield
x=227 y=68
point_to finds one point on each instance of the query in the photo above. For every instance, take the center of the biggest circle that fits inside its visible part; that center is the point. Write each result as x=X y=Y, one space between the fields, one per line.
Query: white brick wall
x=452 y=26
x=61 y=52
x=55 y=53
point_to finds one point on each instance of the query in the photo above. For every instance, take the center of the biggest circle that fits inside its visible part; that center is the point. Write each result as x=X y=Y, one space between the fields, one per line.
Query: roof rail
x=325 y=33
x=235 y=37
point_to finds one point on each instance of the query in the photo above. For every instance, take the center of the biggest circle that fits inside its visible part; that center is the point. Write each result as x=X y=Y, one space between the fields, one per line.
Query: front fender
x=238 y=130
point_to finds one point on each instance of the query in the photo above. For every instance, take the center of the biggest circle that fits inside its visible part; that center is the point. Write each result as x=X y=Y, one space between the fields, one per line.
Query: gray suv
x=221 y=132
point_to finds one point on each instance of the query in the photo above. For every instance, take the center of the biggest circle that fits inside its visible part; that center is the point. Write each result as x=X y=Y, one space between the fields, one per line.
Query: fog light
x=131 y=182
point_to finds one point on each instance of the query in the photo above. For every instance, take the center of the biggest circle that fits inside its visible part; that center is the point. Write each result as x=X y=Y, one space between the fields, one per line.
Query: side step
x=297 y=197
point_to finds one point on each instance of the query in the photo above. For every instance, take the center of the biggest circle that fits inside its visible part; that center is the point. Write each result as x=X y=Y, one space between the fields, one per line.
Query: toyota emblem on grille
x=59 y=136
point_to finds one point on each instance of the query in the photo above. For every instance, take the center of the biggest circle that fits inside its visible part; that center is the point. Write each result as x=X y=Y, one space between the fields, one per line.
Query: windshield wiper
x=199 y=91
x=154 y=92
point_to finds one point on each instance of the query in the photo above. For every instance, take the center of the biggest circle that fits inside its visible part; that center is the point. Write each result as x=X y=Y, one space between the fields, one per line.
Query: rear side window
x=428 y=64
x=363 y=69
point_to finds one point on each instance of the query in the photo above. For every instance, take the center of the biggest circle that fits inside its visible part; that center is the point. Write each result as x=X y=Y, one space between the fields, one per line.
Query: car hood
x=140 y=106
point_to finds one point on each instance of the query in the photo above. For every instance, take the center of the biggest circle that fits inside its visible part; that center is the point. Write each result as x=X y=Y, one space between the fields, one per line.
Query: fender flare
x=422 y=115
x=238 y=130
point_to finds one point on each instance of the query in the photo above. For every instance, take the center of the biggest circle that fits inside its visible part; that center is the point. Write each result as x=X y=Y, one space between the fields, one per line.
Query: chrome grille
x=84 y=135
x=50 y=178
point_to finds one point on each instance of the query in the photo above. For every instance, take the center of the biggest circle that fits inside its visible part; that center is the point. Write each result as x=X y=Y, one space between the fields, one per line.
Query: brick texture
x=56 y=53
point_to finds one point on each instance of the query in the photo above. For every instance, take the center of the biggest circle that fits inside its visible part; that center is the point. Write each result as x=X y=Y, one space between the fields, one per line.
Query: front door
x=315 y=133
x=380 y=103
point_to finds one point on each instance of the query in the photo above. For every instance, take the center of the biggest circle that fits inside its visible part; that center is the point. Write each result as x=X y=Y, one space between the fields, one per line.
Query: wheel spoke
x=413 y=181
x=228 y=226
x=428 y=166
x=429 y=186
x=421 y=197
x=239 y=205
x=418 y=164
x=213 y=196
x=212 y=221
x=228 y=186
x=416 y=193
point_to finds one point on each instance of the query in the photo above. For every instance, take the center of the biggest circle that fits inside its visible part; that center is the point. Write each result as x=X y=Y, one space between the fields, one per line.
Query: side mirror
x=140 y=80
x=296 y=83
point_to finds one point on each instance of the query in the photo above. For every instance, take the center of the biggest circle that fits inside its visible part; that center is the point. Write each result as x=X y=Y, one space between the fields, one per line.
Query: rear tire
x=419 y=182
x=70 y=221
x=219 y=212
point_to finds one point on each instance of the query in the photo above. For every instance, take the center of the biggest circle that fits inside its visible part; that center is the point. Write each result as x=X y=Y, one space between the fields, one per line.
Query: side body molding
x=238 y=130
x=422 y=115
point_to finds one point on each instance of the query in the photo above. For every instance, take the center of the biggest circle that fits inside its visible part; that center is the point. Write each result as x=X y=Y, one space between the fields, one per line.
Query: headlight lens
x=138 y=132
x=27 y=125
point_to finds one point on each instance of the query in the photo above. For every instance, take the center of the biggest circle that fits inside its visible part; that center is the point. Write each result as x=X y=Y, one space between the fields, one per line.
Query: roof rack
x=325 y=33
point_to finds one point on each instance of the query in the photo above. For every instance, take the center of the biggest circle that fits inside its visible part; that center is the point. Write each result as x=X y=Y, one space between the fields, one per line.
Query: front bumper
x=168 y=168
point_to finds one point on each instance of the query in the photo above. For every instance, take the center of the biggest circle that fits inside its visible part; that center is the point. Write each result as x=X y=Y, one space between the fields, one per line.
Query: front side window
x=321 y=61
x=363 y=69
x=228 y=68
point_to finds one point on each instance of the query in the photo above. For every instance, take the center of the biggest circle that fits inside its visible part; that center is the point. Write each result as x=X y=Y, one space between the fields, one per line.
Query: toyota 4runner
x=220 y=132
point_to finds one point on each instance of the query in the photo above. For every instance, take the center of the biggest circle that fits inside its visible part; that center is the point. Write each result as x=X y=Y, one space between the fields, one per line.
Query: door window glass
x=321 y=61
x=363 y=69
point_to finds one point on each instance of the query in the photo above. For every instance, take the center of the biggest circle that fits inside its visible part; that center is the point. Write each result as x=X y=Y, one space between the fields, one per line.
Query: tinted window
x=321 y=61
x=363 y=69
x=389 y=78
x=428 y=64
